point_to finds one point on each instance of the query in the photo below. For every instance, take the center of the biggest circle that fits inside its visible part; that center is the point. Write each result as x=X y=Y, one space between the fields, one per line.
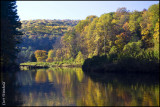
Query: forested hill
x=42 y=35
x=34 y=28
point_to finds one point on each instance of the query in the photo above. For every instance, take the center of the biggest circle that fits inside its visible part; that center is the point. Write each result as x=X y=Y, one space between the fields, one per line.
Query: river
x=73 y=87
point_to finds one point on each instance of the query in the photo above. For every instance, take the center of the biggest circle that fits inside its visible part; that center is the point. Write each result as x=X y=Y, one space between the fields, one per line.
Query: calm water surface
x=71 y=86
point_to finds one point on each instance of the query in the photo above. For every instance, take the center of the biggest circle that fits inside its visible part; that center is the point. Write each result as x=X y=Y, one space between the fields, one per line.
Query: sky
x=74 y=10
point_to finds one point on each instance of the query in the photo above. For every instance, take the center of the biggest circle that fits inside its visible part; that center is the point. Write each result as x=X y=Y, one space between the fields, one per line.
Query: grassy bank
x=51 y=64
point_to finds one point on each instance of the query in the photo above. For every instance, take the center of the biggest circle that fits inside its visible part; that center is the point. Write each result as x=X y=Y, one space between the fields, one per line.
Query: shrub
x=132 y=49
x=113 y=50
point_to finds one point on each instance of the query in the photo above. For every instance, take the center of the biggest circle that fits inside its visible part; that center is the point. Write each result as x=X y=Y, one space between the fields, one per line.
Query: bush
x=132 y=49
x=113 y=50
x=147 y=55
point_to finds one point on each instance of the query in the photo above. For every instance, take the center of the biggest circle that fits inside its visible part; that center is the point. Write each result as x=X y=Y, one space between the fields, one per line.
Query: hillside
x=42 y=35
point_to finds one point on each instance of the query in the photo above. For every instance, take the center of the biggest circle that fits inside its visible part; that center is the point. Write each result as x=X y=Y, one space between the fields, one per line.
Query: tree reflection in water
x=71 y=86
x=41 y=76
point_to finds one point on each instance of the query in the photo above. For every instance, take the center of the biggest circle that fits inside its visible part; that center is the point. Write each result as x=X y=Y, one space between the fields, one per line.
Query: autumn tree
x=124 y=37
x=80 y=26
x=121 y=15
x=51 y=55
x=156 y=40
x=148 y=22
x=104 y=30
x=80 y=58
x=59 y=55
x=91 y=38
x=69 y=42
x=134 y=25
x=91 y=18
x=40 y=55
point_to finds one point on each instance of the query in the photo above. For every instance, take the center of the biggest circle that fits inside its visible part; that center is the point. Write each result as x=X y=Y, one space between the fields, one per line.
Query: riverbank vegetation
x=50 y=64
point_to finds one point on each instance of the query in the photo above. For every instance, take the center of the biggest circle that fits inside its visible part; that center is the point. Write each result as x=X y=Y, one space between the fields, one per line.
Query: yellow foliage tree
x=40 y=55
x=79 y=59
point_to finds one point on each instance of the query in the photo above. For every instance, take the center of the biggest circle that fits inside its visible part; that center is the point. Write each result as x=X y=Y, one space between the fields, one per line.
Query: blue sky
x=29 y=10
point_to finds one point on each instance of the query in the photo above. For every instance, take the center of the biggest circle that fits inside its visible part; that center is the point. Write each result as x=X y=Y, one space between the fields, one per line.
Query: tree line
x=116 y=34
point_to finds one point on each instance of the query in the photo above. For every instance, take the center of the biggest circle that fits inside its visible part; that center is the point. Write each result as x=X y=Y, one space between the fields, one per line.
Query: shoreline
x=35 y=65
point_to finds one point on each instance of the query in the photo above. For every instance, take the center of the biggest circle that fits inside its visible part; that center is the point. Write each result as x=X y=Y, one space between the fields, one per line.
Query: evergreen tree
x=33 y=58
x=10 y=36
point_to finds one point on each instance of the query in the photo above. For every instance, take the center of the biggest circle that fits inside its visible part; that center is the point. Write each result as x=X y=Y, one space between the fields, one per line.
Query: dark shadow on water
x=126 y=70
x=12 y=96
x=125 y=78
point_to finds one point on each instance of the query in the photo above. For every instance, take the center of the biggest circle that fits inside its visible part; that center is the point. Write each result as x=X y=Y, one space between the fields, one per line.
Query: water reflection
x=70 y=86
x=41 y=76
x=10 y=95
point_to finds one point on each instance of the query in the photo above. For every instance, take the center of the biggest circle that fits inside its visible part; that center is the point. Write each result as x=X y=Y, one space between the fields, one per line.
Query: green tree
x=91 y=17
x=104 y=30
x=69 y=42
x=80 y=26
x=113 y=50
x=153 y=12
x=132 y=48
x=134 y=25
x=90 y=38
